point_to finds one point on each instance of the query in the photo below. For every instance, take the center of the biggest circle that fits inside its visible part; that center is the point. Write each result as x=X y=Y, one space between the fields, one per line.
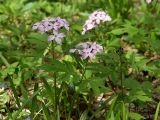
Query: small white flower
x=148 y=1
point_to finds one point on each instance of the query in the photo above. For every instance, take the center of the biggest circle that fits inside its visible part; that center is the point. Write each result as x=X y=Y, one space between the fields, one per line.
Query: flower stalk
x=55 y=82
x=121 y=70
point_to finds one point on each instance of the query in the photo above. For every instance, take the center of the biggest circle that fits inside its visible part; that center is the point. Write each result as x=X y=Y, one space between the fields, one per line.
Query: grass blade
x=157 y=111
x=46 y=112
x=49 y=90
x=34 y=101
x=108 y=114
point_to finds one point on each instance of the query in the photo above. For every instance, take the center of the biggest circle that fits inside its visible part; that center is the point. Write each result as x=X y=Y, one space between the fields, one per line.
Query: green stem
x=55 y=96
x=84 y=70
x=62 y=7
x=55 y=82
x=121 y=71
x=52 y=50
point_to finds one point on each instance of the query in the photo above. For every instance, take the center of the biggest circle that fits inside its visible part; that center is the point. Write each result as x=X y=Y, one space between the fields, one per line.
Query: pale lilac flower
x=56 y=36
x=96 y=47
x=35 y=26
x=84 y=45
x=87 y=53
x=99 y=16
x=88 y=26
x=59 y=23
x=75 y=51
x=148 y=1
x=52 y=24
x=47 y=25
x=87 y=50
x=42 y=26
x=72 y=50
x=51 y=37
x=28 y=118
x=94 y=19
x=39 y=27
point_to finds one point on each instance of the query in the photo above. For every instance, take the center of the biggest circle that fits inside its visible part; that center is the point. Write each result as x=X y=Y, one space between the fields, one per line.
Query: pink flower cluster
x=94 y=19
x=53 y=26
x=87 y=50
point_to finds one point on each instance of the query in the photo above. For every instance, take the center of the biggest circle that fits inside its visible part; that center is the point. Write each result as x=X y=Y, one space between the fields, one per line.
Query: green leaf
x=147 y=87
x=88 y=74
x=140 y=95
x=55 y=66
x=68 y=58
x=3 y=18
x=132 y=84
x=14 y=29
x=137 y=61
x=9 y=70
x=98 y=85
x=118 y=31
x=84 y=115
x=112 y=116
x=136 y=116
x=113 y=43
x=131 y=30
x=4 y=98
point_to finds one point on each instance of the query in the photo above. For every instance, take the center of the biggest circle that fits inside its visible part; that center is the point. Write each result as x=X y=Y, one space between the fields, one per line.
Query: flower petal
x=58 y=40
x=51 y=37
